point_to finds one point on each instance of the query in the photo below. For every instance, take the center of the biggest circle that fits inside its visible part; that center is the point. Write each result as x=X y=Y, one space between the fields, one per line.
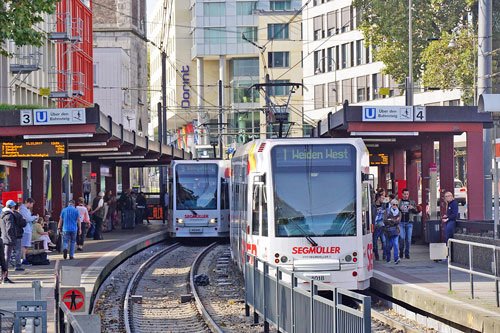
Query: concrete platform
x=423 y=284
x=96 y=257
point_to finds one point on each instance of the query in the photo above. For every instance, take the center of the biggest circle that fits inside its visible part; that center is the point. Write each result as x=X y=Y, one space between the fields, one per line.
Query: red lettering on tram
x=369 y=254
x=196 y=216
x=315 y=250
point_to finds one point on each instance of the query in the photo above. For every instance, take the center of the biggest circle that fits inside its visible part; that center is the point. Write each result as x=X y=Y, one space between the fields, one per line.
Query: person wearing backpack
x=98 y=214
x=9 y=236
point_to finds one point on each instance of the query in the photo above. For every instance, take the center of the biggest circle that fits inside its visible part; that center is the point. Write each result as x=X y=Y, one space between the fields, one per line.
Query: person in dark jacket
x=3 y=264
x=141 y=208
x=20 y=224
x=9 y=234
x=451 y=215
x=392 y=218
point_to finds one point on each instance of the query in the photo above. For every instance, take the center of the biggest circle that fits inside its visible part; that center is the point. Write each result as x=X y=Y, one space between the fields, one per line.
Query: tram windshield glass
x=314 y=190
x=196 y=186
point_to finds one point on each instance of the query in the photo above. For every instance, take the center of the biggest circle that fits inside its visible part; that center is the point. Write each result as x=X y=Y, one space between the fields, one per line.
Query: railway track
x=158 y=297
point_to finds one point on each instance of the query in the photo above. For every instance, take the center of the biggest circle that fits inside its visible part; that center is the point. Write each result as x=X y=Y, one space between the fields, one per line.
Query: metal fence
x=293 y=303
x=486 y=264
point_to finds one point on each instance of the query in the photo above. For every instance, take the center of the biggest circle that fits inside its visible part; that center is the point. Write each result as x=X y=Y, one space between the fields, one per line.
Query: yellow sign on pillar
x=44 y=91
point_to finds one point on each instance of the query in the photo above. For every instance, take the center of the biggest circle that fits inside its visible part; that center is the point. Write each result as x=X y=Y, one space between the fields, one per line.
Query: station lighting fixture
x=116 y=153
x=142 y=161
x=373 y=145
x=92 y=150
x=58 y=136
x=380 y=140
x=92 y=144
x=384 y=133
x=121 y=157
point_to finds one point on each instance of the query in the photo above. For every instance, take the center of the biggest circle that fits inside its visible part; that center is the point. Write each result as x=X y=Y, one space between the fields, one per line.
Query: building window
x=215 y=36
x=361 y=85
x=331 y=23
x=214 y=9
x=345 y=55
x=319 y=96
x=347 y=90
x=245 y=7
x=319 y=61
x=329 y=59
x=277 y=31
x=453 y=102
x=250 y=34
x=96 y=71
x=358 y=18
x=367 y=54
x=318 y=2
x=245 y=67
x=360 y=53
x=345 y=19
x=280 y=5
x=278 y=59
x=243 y=93
x=351 y=54
x=279 y=90
x=393 y=87
x=318 y=27
x=332 y=94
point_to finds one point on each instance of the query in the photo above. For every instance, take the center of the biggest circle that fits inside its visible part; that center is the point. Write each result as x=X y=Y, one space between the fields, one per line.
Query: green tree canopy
x=18 y=19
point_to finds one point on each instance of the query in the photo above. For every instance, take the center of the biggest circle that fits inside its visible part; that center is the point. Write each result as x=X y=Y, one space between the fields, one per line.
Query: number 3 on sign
x=419 y=113
x=26 y=117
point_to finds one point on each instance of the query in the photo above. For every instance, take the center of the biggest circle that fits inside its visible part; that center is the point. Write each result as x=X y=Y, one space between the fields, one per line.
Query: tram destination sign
x=32 y=149
x=379 y=159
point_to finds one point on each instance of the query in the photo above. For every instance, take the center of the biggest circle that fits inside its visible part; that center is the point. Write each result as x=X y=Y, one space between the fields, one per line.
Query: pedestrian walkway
x=94 y=258
x=423 y=284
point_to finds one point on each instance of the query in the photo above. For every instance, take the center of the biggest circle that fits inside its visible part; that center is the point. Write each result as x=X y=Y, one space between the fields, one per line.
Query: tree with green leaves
x=18 y=19
x=384 y=24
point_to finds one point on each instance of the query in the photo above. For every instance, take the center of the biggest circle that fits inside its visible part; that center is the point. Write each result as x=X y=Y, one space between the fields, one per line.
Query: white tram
x=198 y=198
x=304 y=204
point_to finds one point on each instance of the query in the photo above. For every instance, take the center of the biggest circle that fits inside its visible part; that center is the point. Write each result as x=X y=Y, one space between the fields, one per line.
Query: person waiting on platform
x=85 y=222
x=407 y=208
x=70 y=225
x=98 y=214
x=451 y=215
x=39 y=234
x=392 y=218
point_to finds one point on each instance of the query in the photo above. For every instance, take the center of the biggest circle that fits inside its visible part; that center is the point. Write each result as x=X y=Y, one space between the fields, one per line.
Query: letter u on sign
x=370 y=113
x=41 y=116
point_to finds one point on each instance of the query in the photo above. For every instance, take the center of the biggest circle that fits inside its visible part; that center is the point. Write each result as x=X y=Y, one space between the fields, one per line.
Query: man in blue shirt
x=70 y=225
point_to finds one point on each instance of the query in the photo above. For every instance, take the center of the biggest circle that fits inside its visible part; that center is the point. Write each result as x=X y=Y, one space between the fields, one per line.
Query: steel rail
x=135 y=279
x=201 y=308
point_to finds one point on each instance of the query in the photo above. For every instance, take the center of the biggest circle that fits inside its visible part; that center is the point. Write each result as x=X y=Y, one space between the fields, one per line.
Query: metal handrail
x=471 y=270
x=252 y=268
x=69 y=317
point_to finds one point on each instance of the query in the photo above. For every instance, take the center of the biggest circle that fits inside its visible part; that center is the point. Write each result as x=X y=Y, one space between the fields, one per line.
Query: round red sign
x=73 y=299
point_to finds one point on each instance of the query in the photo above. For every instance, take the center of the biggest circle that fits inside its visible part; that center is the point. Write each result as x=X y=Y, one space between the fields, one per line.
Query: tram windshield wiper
x=193 y=211
x=309 y=238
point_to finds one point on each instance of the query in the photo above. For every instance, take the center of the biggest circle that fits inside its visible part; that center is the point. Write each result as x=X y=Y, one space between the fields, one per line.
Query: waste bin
x=417 y=228
x=433 y=231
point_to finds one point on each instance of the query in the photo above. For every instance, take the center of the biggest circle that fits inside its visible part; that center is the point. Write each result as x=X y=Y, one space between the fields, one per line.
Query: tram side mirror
x=260 y=179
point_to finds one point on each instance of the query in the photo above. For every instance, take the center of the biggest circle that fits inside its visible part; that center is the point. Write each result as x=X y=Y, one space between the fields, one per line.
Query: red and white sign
x=315 y=250
x=73 y=298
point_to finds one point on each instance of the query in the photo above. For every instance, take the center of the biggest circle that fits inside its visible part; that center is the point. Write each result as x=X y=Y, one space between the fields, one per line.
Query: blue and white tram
x=199 y=199
x=304 y=204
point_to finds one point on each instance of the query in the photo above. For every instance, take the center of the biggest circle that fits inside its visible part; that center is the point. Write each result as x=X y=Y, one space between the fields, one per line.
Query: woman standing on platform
x=392 y=218
x=451 y=215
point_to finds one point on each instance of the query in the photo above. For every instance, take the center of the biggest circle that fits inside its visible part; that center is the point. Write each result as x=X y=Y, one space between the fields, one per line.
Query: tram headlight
x=213 y=221
x=179 y=221
x=348 y=258
x=284 y=259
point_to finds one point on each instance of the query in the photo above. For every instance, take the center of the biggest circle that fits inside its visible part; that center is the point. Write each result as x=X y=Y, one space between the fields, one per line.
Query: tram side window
x=365 y=209
x=255 y=210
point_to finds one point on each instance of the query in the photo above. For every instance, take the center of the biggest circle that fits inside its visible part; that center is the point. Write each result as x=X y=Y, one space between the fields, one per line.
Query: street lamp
x=318 y=70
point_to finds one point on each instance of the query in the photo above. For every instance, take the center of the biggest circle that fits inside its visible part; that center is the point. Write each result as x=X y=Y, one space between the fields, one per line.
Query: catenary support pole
x=219 y=131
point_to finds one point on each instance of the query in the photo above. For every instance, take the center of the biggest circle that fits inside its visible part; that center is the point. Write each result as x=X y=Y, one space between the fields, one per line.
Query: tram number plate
x=318 y=277
x=195 y=230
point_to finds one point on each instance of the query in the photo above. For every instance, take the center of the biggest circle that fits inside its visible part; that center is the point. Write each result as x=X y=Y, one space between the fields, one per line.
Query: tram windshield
x=196 y=186
x=314 y=190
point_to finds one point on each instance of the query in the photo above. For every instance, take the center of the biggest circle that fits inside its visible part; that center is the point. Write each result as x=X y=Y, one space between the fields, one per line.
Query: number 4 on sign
x=419 y=113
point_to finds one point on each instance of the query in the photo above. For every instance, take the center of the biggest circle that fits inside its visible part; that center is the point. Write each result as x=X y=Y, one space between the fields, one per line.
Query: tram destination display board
x=379 y=159
x=32 y=149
